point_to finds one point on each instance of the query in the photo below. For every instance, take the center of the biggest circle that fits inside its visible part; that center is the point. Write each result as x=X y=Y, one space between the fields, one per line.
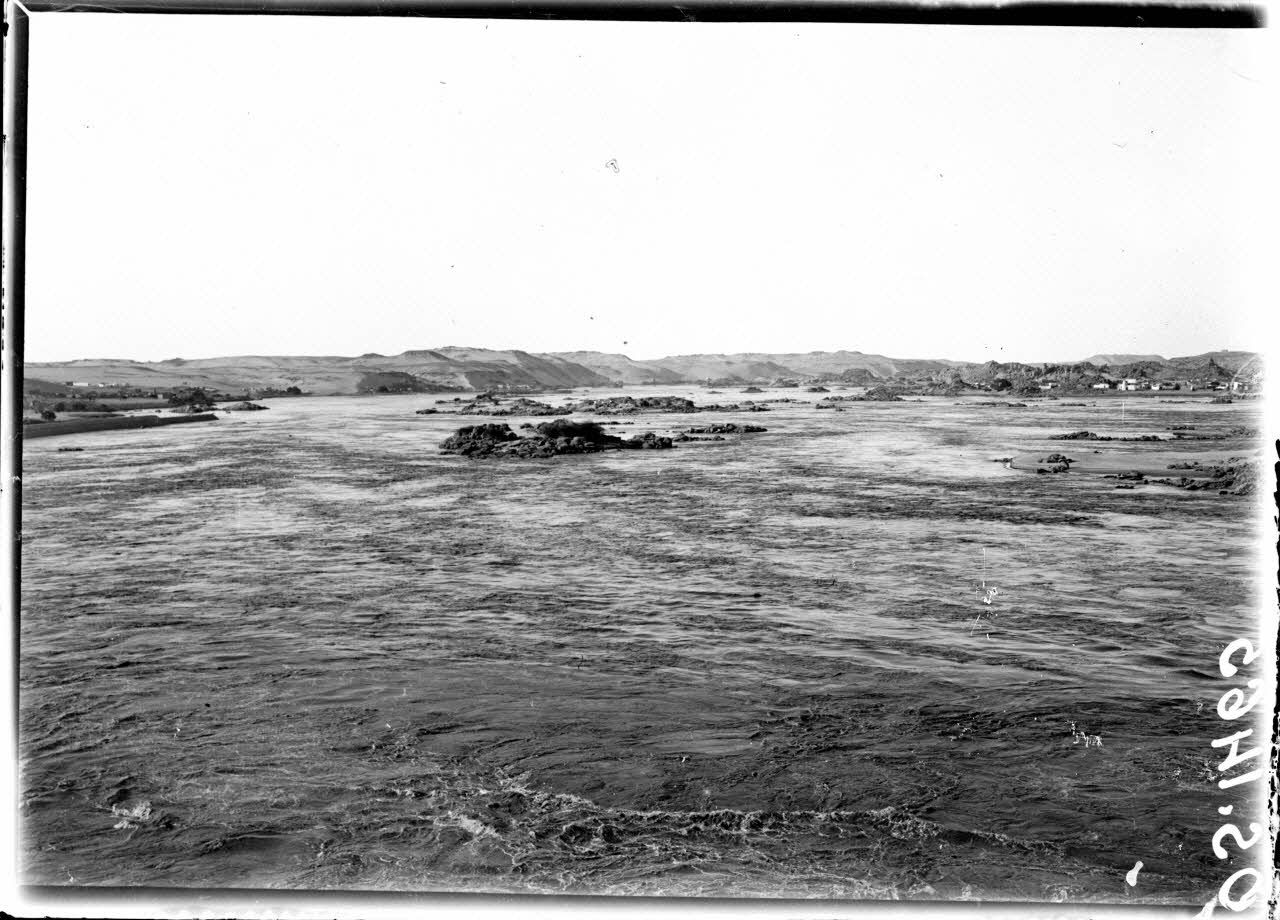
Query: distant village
x=1028 y=380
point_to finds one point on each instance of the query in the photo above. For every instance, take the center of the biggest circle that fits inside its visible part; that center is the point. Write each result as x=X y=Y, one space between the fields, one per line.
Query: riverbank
x=34 y=429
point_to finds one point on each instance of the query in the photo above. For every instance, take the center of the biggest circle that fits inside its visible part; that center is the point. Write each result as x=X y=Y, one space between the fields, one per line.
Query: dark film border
x=16 y=35
x=1092 y=15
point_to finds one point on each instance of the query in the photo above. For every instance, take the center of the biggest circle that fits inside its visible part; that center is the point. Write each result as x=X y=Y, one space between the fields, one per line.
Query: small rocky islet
x=563 y=436
x=548 y=439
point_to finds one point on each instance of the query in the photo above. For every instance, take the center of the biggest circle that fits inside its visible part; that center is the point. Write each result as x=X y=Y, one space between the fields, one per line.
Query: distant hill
x=454 y=367
x=1100 y=360
x=443 y=368
x=620 y=368
x=726 y=368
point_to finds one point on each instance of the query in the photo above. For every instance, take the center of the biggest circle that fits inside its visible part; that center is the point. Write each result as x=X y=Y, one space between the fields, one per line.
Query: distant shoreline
x=454 y=369
x=86 y=425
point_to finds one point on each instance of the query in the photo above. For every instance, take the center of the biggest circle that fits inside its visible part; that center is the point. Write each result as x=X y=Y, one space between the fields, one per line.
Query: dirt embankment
x=34 y=429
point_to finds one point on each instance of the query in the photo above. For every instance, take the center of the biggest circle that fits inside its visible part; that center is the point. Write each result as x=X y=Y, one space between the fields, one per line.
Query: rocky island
x=549 y=439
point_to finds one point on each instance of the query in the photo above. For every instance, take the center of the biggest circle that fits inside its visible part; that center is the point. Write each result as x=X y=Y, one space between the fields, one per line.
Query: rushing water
x=300 y=648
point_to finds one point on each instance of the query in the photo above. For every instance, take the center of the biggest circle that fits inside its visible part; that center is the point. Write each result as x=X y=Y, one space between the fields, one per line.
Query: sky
x=207 y=186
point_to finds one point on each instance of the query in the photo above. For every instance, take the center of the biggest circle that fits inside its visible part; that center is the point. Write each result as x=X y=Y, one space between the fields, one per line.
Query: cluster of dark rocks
x=1235 y=476
x=726 y=428
x=1091 y=436
x=487 y=404
x=1058 y=463
x=627 y=405
x=1134 y=476
x=875 y=394
x=549 y=439
x=243 y=407
x=1238 y=431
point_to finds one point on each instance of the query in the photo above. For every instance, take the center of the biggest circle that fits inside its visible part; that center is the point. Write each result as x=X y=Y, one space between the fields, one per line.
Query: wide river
x=302 y=649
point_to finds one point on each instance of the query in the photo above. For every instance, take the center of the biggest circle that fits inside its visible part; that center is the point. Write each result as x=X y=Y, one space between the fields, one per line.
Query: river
x=301 y=649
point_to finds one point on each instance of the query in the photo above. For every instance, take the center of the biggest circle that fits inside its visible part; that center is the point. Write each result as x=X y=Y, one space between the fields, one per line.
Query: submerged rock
x=1056 y=468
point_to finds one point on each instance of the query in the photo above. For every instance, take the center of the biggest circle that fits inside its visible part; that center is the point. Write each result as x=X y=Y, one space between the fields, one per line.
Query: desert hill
x=461 y=368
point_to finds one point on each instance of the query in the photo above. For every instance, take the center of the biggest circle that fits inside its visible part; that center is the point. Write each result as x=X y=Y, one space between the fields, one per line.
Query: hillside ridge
x=461 y=368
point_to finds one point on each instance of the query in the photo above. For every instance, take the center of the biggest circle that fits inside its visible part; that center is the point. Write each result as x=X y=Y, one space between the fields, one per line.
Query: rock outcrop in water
x=875 y=394
x=243 y=407
x=490 y=405
x=726 y=428
x=1236 y=476
x=627 y=405
x=549 y=439
x=881 y=394
x=1091 y=436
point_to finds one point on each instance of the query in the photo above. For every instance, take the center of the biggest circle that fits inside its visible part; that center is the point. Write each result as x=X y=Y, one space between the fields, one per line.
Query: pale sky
x=204 y=186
